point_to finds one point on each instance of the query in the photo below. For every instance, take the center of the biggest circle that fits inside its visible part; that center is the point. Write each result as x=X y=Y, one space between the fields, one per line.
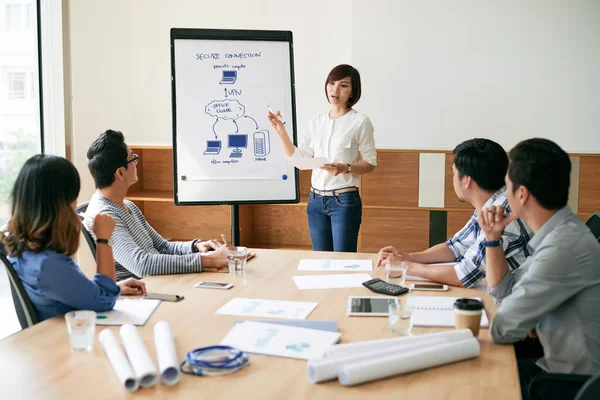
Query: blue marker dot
x=284 y=177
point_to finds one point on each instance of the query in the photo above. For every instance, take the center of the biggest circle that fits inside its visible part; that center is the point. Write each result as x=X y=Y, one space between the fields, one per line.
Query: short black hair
x=544 y=169
x=484 y=160
x=344 y=71
x=107 y=154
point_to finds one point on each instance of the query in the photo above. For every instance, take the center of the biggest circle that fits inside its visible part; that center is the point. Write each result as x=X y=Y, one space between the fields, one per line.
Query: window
x=20 y=125
x=16 y=85
x=14 y=19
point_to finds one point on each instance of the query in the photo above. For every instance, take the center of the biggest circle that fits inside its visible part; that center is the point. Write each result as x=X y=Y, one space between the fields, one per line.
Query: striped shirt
x=467 y=245
x=138 y=249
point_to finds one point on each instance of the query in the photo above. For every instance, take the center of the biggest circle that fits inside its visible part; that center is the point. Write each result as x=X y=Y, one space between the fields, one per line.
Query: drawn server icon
x=261 y=143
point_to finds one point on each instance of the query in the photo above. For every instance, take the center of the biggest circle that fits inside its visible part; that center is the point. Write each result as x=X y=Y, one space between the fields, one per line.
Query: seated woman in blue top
x=43 y=234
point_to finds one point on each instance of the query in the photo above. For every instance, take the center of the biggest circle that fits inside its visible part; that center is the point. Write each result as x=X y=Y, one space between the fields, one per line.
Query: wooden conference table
x=38 y=363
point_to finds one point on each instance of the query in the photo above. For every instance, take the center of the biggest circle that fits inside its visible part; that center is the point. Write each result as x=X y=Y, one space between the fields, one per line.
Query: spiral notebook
x=437 y=311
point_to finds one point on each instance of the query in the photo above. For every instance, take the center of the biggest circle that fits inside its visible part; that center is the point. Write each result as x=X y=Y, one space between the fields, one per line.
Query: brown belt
x=334 y=192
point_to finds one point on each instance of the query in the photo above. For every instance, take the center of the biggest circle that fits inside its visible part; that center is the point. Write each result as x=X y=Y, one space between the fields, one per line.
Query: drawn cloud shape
x=225 y=109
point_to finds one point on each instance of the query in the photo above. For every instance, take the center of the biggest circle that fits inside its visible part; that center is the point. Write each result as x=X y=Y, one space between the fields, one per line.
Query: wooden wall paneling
x=157 y=165
x=246 y=224
x=589 y=184
x=457 y=220
x=395 y=181
x=305 y=184
x=280 y=224
x=407 y=230
x=450 y=199
x=188 y=222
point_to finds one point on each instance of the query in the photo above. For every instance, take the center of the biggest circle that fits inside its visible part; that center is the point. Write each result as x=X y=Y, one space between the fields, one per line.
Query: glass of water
x=82 y=329
x=236 y=260
x=400 y=318
x=395 y=272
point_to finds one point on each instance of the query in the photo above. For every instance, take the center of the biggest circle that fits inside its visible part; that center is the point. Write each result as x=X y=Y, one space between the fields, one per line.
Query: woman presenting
x=343 y=136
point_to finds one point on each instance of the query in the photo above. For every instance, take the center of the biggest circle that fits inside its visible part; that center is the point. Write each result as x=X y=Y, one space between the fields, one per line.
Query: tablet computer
x=370 y=306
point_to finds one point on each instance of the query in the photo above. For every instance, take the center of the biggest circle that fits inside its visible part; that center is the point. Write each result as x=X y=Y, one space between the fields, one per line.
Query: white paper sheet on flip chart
x=335 y=265
x=330 y=281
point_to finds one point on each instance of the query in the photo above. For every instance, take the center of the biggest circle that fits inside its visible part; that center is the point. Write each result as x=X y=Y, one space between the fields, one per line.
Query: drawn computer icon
x=262 y=144
x=213 y=147
x=237 y=142
x=229 y=77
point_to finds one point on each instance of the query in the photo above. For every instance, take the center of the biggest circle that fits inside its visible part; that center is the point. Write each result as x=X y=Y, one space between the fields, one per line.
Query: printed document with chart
x=280 y=340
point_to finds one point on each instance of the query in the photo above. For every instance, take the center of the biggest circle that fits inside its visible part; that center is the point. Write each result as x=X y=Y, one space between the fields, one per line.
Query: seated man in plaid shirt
x=479 y=169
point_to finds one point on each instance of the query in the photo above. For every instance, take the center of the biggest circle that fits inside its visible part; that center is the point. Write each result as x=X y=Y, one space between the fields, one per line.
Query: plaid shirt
x=469 y=250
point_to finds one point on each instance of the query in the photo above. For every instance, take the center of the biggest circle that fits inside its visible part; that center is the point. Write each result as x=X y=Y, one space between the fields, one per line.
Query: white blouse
x=343 y=140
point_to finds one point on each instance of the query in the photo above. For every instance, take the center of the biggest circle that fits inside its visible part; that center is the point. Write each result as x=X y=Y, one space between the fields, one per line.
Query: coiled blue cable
x=214 y=361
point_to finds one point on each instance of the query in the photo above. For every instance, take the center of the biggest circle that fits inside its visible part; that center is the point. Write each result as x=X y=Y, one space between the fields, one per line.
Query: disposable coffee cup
x=467 y=314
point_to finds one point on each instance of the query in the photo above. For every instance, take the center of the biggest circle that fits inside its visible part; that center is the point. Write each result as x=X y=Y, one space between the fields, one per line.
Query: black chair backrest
x=81 y=209
x=590 y=390
x=593 y=223
x=23 y=306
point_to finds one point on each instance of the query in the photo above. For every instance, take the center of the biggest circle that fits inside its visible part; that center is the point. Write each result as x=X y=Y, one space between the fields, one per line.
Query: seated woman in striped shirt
x=138 y=249
x=43 y=234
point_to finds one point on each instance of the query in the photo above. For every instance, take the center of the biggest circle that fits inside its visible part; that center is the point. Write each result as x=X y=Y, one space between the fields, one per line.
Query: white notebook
x=437 y=311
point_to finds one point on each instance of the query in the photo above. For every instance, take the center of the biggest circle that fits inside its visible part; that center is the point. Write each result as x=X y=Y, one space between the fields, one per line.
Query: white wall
x=438 y=72
x=120 y=59
x=434 y=72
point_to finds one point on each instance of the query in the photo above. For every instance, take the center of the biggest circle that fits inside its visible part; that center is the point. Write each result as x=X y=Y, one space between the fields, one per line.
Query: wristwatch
x=493 y=243
x=104 y=241
x=349 y=169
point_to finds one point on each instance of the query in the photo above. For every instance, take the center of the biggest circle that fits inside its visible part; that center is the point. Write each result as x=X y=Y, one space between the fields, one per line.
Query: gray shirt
x=138 y=249
x=557 y=292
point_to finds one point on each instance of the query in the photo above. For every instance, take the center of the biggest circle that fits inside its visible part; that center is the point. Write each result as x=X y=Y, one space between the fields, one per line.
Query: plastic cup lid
x=468 y=304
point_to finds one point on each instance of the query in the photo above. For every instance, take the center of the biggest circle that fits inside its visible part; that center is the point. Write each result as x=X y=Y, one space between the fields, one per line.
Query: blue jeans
x=334 y=221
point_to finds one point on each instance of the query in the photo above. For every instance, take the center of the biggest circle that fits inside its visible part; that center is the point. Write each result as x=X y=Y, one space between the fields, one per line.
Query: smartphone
x=428 y=286
x=162 y=296
x=213 y=285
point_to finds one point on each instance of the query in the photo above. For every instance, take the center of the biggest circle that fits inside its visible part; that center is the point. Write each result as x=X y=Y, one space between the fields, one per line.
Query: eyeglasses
x=134 y=159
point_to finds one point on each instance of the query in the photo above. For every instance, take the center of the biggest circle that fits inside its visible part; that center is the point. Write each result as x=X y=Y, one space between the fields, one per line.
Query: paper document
x=437 y=311
x=280 y=340
x=310 y=163
x=335 y=265
x=331 y=281
x=418 y=278
x=268 y=308
x=128 y=311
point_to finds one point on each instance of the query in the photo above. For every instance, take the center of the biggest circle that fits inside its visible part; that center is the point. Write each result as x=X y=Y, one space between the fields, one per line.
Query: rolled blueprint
x=397 y=364
x=117 y=359
x=328 y=368
x=375 y=345
x=142 y=364
x=166 y=353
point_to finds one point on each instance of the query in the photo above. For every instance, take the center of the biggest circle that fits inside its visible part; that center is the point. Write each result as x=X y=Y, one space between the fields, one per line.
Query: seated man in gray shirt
x=138 y=249
x=555 y=294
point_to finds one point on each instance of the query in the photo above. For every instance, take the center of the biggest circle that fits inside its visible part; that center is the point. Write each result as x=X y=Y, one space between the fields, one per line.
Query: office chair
x=23 y=306
x=81 y=209
x=564 y=387
x=593 y=223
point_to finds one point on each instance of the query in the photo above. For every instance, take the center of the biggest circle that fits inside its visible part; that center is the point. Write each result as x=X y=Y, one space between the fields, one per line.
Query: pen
x=101 y=317
x=274 y=113
x=224 y=239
